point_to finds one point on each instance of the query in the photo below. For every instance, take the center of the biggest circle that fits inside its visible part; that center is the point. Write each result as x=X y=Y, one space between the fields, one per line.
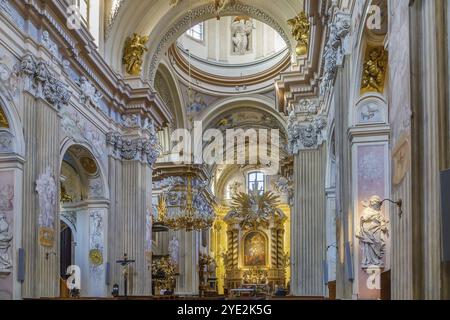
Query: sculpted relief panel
x=46 y=189
x=6 y=233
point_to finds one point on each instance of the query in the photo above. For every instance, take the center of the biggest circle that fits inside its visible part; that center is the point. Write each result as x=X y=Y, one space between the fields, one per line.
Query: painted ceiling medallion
x=89 y=165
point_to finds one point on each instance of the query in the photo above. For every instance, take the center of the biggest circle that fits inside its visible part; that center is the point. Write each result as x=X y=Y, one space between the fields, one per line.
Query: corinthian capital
x=306 y=130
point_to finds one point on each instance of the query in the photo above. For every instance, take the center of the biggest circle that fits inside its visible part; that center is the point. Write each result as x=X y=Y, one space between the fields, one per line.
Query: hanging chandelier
x=195 y=214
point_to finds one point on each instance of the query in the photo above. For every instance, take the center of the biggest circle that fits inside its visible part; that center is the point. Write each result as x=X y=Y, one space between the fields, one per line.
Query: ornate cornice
x=42 y=82
x=203 y=13
x=253 y=79
x=126 y=147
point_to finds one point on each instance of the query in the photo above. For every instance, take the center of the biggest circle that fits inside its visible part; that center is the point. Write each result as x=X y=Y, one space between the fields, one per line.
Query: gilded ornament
x=254 y=209
x=65 y=197
x=96 y=257
x=374 y=71
x=46 y=237
x=135 y=47
x=3 y=121
x=301 y=28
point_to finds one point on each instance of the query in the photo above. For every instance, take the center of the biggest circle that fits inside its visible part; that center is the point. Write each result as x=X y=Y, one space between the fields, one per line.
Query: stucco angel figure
x=241 y=29
x=47 y=191
x=6 y=237
x=373 y=233
x=174 y=248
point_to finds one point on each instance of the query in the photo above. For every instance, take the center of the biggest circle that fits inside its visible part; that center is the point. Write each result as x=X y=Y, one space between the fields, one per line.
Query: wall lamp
x=399 y=204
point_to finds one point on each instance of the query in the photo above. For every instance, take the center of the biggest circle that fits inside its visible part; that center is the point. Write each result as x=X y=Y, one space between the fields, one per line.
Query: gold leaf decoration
x=135 y=47
x=301 y=28
x=374 y=70
x=3 y=121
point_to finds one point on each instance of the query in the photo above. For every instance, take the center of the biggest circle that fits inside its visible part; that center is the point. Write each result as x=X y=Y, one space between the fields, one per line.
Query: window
x=197 y=32
x=83 y=6
x=256 y=182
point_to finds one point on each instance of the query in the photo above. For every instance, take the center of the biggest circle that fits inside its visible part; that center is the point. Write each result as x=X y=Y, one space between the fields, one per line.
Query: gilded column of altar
x=280 y=249
x=274 y=248
x=229 y=249
x=235 y=249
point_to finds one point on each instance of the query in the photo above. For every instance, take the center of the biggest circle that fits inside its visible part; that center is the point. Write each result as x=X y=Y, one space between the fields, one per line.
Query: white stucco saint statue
x=47 y=191
x=6 y=237
x=241 y=30
x=372 y=235
x=174 y=248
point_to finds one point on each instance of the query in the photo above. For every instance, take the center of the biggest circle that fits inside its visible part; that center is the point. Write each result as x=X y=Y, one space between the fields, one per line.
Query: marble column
x=189 y=275
x=308 y=229
x=41 y=123
x=130 y=181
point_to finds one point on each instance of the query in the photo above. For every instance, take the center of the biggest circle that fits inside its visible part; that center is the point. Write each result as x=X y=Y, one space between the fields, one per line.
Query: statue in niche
x=174 y=248
x=374 y=71
x=241 y=29
x=373 y=233
x=6 y=237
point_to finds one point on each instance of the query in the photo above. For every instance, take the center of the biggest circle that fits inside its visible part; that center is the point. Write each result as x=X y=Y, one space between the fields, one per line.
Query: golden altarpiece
x=255 y=242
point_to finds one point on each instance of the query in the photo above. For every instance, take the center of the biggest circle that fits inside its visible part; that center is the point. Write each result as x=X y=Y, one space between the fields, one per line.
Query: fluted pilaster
x=308 y=224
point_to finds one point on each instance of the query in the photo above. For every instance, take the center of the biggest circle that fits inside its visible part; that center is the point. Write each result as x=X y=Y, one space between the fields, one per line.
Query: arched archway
x=84 y=218
x=139 y=17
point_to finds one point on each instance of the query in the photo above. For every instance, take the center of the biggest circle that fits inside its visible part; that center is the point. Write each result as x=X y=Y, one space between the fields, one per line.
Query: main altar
x=255 y=254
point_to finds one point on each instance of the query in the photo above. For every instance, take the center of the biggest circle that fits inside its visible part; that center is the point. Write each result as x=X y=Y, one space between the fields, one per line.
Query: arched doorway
x=83 y=220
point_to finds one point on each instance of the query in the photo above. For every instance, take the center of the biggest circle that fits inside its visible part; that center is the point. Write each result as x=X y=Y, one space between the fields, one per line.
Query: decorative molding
x=47 y=191
x=42 y=82
x=117 y=5
x=141 y=149
x=337 y=46
x=74 y=126
x=50 y=45
x=96 y=243
x=306 y=128
x=208 y=11
x=9 y=81
x=89 y=94
x=6 y=232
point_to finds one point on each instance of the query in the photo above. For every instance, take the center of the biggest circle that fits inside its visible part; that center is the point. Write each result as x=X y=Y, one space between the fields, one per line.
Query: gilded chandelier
x=188 y=217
